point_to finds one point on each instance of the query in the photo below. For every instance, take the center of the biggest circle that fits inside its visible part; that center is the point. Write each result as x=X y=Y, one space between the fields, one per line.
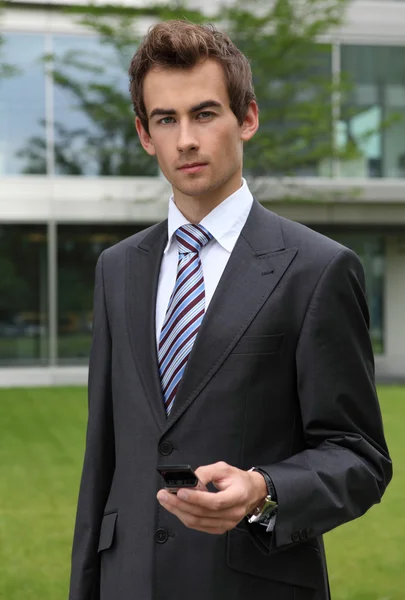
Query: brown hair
x=181 y=45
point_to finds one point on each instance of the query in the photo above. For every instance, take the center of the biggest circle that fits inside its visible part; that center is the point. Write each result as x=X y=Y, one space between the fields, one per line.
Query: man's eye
x=166 y=120
x=206 y=114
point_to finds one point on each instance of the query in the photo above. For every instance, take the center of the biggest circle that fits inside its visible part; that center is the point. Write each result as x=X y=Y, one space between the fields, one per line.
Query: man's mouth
x=192 y=167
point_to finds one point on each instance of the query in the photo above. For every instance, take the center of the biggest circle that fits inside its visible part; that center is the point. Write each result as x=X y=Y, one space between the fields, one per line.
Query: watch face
x=265 y=514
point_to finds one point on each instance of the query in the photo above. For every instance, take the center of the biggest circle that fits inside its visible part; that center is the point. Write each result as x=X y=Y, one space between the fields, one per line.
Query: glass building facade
x=25 y=324
x=66 y=111
x=374 y=114
x=23 y=111
x=24 y=338
x=78 y=247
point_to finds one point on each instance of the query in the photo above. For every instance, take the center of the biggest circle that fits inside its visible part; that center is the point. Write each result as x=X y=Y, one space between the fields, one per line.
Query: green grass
x=367 y=557
x=41 y=451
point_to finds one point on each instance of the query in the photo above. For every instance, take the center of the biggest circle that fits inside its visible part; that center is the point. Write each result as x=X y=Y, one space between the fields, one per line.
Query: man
x=225 y=338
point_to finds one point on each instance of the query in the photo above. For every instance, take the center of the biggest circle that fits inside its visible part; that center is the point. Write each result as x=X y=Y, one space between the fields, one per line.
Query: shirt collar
x=224 y=223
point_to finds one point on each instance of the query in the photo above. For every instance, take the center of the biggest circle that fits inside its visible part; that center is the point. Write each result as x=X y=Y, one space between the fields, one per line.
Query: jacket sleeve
x=345 y=467
x=99 y=460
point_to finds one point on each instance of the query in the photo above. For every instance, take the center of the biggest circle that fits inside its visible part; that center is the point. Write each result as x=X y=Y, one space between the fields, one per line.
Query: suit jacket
x=280 y=377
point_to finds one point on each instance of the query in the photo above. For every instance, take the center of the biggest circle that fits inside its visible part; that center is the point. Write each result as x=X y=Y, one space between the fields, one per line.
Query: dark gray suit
x=280 y=377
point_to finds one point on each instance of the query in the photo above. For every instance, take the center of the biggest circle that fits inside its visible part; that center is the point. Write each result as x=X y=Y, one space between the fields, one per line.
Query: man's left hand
x=240 y=492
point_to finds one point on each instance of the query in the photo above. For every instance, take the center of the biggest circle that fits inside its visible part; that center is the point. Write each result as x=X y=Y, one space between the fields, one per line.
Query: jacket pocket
x=107 y=531
x=259 y=344
x=299 y=565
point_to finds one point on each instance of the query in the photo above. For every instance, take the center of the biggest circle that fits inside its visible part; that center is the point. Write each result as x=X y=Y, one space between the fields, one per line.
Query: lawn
x=41 y=449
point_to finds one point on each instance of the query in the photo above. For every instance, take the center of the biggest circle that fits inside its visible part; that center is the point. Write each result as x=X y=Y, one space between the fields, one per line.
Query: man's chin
x=196 y=188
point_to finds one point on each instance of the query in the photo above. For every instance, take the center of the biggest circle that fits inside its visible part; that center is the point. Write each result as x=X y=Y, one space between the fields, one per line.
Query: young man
x=225 y=338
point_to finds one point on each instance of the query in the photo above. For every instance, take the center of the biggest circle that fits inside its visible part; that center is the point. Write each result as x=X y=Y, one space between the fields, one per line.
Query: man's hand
x=240 y=492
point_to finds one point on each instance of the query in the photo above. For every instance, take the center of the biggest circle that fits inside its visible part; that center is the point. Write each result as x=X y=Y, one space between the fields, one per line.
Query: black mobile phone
x=179 y=476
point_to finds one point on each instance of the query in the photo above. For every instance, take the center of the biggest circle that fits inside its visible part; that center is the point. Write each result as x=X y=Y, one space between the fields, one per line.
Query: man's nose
x=187 y=139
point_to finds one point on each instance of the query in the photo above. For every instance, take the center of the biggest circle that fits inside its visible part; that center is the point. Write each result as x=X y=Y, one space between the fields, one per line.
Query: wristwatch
x=263 y=513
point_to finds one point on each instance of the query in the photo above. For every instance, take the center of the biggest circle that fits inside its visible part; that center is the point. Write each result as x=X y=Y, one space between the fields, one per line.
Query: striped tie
x=185 y=311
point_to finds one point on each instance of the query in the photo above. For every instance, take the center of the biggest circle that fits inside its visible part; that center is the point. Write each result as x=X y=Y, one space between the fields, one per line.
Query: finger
x=218 y=502
x=204 y=524
x=213 y=472
x=176 y=502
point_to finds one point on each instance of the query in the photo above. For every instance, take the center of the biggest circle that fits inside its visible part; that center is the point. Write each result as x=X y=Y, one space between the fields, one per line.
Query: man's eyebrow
x=205 y=104
x=193 y=109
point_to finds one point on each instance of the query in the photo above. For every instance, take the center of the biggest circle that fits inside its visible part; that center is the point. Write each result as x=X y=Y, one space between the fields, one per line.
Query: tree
x=6 y=69
x=293 y=81
x=292 y=76
x=105 y=142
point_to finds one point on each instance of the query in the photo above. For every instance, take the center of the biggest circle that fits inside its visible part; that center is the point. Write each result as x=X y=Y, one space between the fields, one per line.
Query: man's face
x=193 y=132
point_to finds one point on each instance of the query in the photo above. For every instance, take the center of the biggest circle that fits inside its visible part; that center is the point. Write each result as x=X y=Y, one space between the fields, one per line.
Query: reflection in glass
x=23 y=295
x=94 y=120
x=79 y=247
x=22 y=105
x=295 y=99
x=370 y=248
x=373 y=118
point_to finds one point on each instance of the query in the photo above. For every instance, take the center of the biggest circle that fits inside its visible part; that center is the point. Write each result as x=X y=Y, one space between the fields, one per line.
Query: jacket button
x=310 y=532
x=165 y=448
x=161 y=536
x=303 y=535
x=295 y=536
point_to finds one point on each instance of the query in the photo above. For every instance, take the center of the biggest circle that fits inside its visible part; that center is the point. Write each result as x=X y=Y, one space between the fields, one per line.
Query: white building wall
x=376 y=21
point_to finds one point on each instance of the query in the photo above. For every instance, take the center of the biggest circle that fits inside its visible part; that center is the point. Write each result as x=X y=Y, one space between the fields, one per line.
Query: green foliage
x=293 y=82
x=6 y=70
x=107 y=142
x=292 y=76
x=292 y=73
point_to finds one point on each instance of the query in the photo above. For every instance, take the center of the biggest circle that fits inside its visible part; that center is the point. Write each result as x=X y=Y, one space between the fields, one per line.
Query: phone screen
x=178 y=476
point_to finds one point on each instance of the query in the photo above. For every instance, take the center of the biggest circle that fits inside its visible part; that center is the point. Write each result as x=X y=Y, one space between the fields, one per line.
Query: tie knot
x=191 y=238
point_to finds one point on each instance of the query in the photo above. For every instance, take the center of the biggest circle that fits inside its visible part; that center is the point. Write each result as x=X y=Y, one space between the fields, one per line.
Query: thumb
x=216 y=473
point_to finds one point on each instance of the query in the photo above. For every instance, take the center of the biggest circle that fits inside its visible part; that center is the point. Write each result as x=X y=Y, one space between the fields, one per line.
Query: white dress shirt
x=224 y=223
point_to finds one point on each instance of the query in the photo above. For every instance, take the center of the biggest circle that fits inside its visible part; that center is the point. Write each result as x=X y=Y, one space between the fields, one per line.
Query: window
x=94 y=120
x=22 y=106
x=23 y=295
x=373 y=118
x=79 y=247
x=295 y=100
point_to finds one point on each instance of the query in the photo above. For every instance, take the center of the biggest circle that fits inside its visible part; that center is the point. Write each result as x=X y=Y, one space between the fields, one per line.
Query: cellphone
x=179 y=476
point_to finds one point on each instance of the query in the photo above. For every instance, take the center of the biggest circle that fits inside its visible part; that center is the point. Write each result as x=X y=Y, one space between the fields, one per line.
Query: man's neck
x=195 y=209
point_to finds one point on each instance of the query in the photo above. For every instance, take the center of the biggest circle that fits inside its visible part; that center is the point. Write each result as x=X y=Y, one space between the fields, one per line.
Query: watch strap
x=269 y=483
x=264 y=513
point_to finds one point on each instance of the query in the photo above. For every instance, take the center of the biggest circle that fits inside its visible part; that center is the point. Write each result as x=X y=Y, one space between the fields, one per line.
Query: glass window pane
x=22 y=106
x=94 y=119
x=23 y=295
x=79 y=247
x=373 y=118
x=295 y=100
x=370 y=248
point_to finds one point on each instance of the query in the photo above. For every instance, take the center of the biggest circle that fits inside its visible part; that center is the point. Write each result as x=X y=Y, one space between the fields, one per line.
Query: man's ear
x=144 y=137
x=251 y=123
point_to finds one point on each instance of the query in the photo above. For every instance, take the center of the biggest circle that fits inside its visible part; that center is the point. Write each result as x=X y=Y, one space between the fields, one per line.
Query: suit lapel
x=143 y=266
x=254 y=269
